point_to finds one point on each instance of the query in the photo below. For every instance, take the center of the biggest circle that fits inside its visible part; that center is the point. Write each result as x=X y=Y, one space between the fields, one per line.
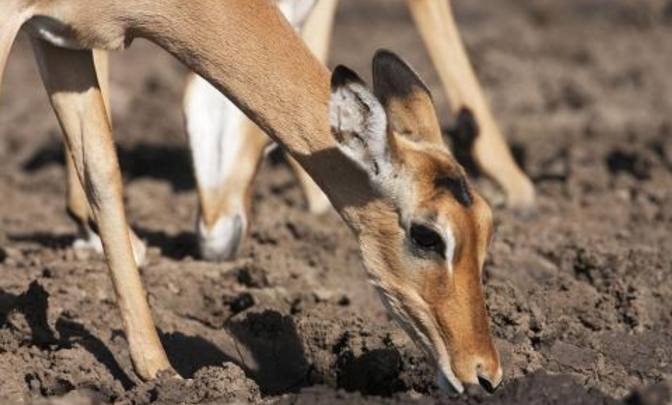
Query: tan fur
x=273 y=77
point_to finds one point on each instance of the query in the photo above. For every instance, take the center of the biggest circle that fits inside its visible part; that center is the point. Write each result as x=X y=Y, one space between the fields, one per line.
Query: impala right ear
x=406 y=98
x=359 y=124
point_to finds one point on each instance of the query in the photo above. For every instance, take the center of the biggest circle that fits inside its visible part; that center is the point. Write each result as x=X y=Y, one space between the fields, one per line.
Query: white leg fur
x=225 y=154
x=213 y=125
x=216 y=136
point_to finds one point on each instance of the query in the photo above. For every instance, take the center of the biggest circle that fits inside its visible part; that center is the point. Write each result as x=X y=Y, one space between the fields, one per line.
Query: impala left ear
x=359 y=124
x=406 y=98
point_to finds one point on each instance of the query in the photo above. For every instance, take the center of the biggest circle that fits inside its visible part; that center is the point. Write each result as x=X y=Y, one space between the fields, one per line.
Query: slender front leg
x=226 y=150
x=70 y=79
x=76 y=202
x=436 y=24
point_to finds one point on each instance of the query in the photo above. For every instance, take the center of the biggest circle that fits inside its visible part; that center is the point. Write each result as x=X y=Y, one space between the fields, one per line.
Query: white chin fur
x=222 y=241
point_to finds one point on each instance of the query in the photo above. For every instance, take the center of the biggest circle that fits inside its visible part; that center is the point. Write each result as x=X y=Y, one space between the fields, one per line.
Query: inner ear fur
x=406 y=98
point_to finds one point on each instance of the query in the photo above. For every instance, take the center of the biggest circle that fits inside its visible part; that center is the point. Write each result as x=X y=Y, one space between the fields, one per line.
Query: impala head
x=424 y=244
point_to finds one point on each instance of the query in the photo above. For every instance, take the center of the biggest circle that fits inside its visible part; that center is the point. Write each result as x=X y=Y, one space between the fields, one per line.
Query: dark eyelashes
x=427 y=239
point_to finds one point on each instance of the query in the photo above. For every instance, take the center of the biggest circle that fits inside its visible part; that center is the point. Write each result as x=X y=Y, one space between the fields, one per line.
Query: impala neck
x=249 y=52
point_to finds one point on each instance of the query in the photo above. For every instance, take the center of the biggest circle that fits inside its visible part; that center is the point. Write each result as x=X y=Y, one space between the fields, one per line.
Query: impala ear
x=406 y=98
x=359 y=124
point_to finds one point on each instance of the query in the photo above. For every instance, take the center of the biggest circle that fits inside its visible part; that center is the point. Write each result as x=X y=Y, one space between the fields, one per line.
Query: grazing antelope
x=227 y=147
x=377 y=154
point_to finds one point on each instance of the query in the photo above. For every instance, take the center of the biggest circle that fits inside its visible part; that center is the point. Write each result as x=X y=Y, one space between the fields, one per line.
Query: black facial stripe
x=458 y=187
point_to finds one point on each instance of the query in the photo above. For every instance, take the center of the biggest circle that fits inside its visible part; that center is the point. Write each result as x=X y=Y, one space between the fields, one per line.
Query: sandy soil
x=579 y=293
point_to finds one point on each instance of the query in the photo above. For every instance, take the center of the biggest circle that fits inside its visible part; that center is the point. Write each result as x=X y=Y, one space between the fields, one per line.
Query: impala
x=227 y=147
x=377 y=154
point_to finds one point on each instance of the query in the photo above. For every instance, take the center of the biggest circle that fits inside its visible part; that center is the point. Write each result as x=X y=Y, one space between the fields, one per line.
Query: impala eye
x=427 y=239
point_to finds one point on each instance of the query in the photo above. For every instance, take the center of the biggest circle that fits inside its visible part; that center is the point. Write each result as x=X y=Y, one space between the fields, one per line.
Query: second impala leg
x=70 y=79
x=436 y=23
x=226 y=149
x=76 y=203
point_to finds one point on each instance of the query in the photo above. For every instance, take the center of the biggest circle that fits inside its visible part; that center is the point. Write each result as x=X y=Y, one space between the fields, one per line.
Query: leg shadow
x=143 y=160
x=34 y=305
x=271 y=344
x=72 y=333
x=176 y=247
x=45 y=239
x=188 y=354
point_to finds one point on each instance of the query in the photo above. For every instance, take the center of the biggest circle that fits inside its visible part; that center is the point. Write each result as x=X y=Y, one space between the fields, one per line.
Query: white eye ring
x=449 y=238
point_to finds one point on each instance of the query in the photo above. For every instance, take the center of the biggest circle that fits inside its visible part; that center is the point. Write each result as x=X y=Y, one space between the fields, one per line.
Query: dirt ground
x=579 y=293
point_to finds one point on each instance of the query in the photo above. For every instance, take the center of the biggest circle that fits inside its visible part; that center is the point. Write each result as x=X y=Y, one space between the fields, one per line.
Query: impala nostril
x=487 y=385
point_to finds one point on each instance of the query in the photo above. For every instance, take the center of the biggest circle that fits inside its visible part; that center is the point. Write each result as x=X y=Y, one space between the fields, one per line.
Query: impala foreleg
x=437 y=27
x=70 y=79
x=226 y=150
x=76 y=202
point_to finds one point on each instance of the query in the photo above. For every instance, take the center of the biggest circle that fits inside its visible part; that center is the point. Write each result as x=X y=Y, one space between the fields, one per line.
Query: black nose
x=486 y=385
